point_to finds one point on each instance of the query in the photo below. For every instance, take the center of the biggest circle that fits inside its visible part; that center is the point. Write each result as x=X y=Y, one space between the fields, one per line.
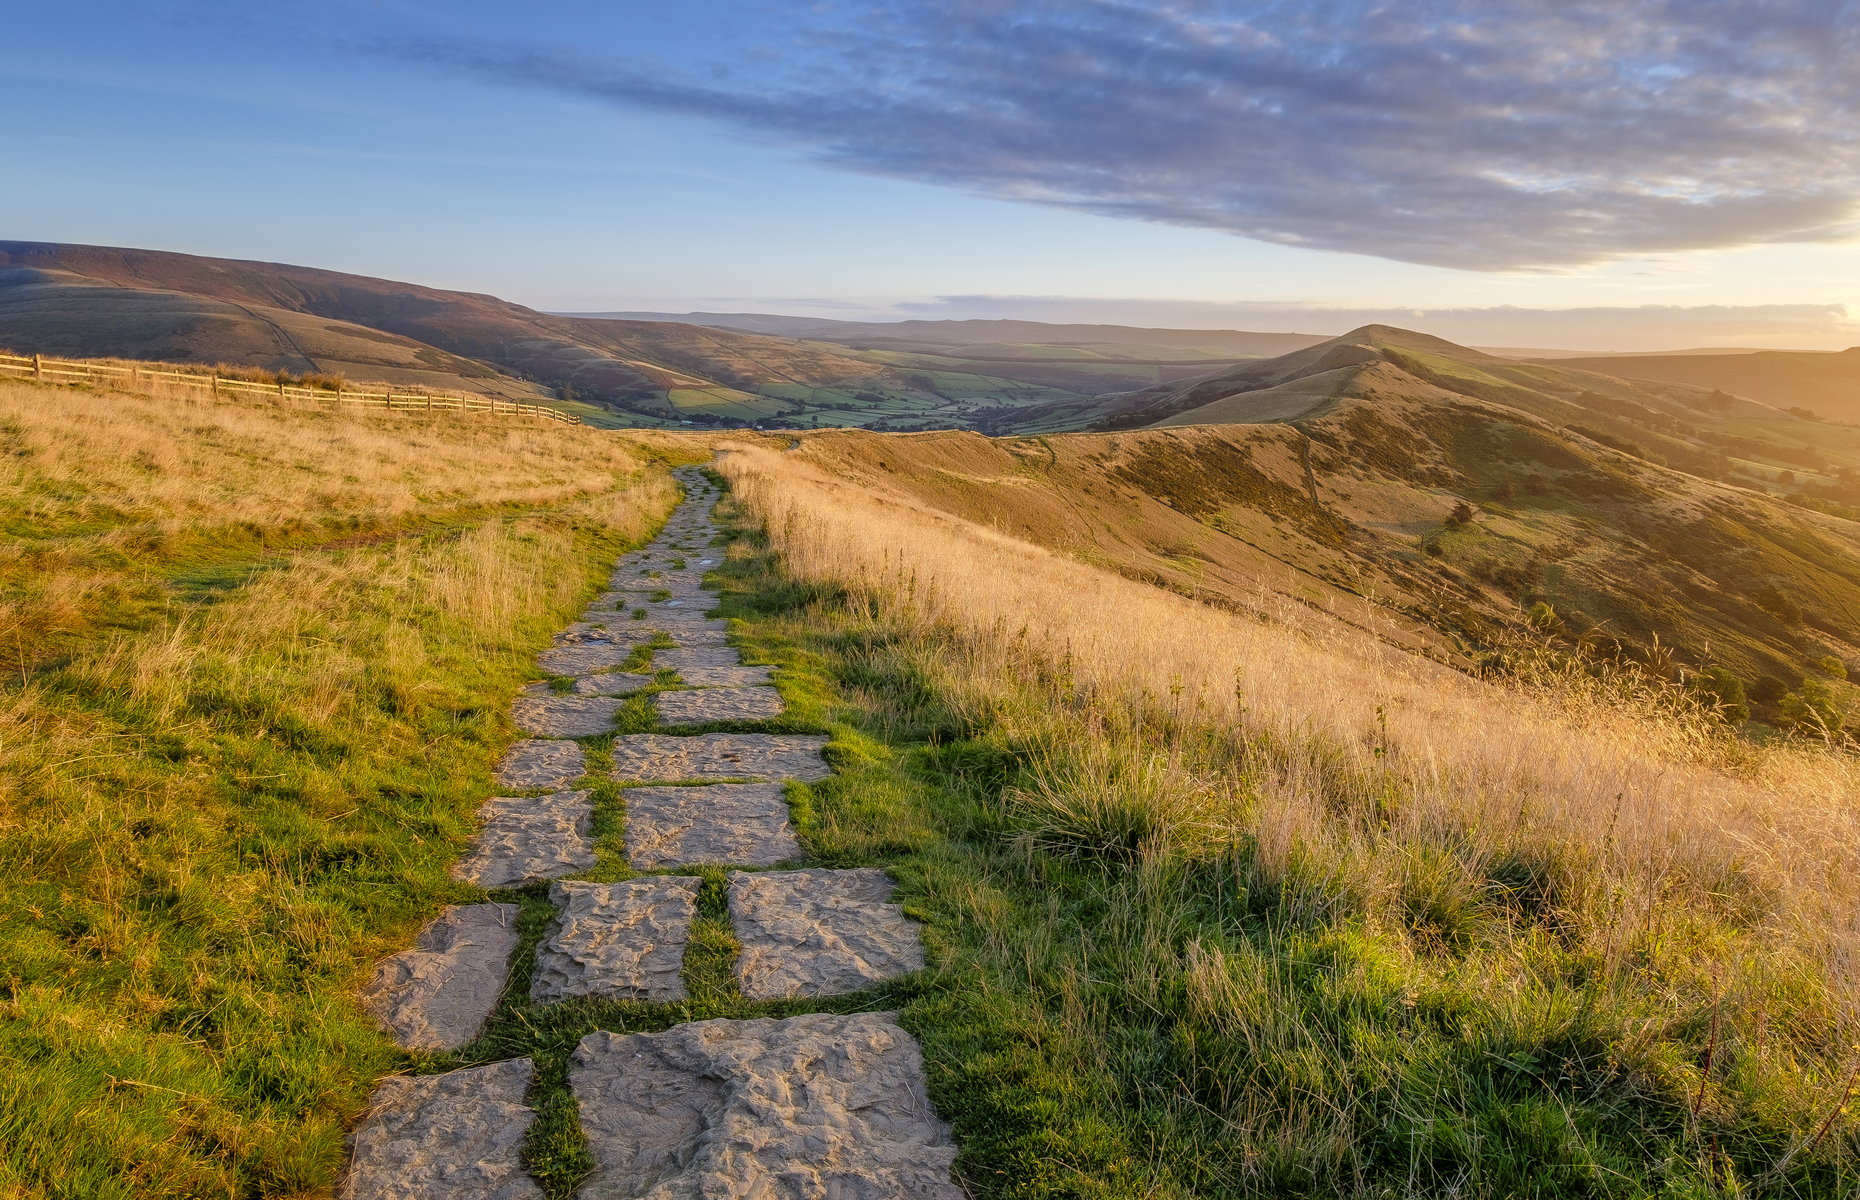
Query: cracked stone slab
x=689 y=658
x=718 y=704
x=589 y=658
x=742 y=823
x=437 y=995
x=565 y=716
x=615 y=683
x=617 y=941
x=658 y=757
x=457 y=1136
x=732 y=677
x=537 y=764
x=821 y=1106
x=524 y=841
x=819 y=932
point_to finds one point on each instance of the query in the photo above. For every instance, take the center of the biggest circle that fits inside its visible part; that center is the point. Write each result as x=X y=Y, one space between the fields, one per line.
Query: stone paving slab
x=616 y=683
x=586 y=659
x=679 y=611
x=818 y=1106
x=617 y=941
x=605 y=628
x=662 y=758
x=523 y=841
x=688 y=657
x=457 y=1136
x=437 y=995
x=743 y=823
x=565 y=716
x=718 y=704
x=708 y=633
x=819 y=932
x=730 y=677
x=537 y=764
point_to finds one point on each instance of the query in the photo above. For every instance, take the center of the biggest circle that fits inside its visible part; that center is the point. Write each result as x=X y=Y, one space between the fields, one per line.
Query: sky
x=1588 y=175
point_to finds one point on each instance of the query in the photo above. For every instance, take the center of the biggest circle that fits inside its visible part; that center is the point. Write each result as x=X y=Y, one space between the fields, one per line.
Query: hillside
x=1342 y=488
x=91 y=301
x=1828 y=384
x=1236 y=870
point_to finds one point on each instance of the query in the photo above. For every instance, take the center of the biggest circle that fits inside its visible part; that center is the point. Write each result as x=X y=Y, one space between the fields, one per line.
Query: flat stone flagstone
x=437 y=995
x=565 y=716
x=535 y=765
x=617 y=941
x=525 y=841
x=718 y=704
x=693 y=634
x=817 y=1106
x=661 y=758
x=587 y=659
x=694 y=657
x=819 y=932
x=743 y=823
x=614 y=683
x=457 y=1136
x=725 y=676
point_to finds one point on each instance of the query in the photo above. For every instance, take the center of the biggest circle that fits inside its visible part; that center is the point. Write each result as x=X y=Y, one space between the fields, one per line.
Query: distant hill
x=96 y=300
x=1655 y=523
x=947 y=334
x=715 y=369
x=1828 y=383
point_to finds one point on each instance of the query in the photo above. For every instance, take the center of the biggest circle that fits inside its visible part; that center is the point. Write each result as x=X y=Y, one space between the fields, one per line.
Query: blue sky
x=1607 y=175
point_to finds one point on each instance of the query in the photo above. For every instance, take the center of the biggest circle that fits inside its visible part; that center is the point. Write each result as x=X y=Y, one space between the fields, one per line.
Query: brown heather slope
x=1637 y=562
x=608 y=360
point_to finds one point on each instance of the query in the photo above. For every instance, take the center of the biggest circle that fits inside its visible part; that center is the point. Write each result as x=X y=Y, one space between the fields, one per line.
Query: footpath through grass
x=1109 y=1012
x=260 y=665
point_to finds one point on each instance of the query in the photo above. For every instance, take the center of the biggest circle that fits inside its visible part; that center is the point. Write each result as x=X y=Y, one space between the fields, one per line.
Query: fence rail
x=39 y=367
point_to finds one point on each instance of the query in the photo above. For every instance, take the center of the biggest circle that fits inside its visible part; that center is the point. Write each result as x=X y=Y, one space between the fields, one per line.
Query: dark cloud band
x=1482 y=134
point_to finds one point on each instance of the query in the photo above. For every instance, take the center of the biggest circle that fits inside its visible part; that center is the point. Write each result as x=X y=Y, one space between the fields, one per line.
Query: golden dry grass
x=1655 y=855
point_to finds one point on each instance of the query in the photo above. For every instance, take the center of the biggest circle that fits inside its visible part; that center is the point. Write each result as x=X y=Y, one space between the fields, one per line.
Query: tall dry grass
x=1634 y=847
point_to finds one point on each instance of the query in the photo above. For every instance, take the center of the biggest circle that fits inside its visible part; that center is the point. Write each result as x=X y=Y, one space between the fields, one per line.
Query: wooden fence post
x=216 y=387
x=38 y=367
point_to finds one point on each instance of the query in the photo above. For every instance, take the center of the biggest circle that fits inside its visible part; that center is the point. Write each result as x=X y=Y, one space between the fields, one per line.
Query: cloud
x=1476 y=134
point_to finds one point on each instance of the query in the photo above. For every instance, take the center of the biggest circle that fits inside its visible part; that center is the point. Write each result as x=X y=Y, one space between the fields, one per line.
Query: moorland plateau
x=1371 y=766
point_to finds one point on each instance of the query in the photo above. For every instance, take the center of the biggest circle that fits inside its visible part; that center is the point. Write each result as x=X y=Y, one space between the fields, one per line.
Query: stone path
x=818 y=1106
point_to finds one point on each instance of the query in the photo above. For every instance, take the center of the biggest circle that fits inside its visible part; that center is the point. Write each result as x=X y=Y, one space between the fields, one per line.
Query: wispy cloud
x=1481 y=134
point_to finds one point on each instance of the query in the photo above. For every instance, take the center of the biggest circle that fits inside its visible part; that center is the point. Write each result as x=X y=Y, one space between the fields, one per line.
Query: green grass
x=228 y=783
x=1186 y=1017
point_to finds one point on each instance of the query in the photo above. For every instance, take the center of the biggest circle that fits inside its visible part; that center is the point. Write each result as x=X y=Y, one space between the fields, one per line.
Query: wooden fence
x=138 y=375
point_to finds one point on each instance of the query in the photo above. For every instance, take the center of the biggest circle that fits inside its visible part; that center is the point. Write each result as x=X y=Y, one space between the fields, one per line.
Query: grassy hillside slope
x=257 y=663
x=1222 y=906
x=1355 y=510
